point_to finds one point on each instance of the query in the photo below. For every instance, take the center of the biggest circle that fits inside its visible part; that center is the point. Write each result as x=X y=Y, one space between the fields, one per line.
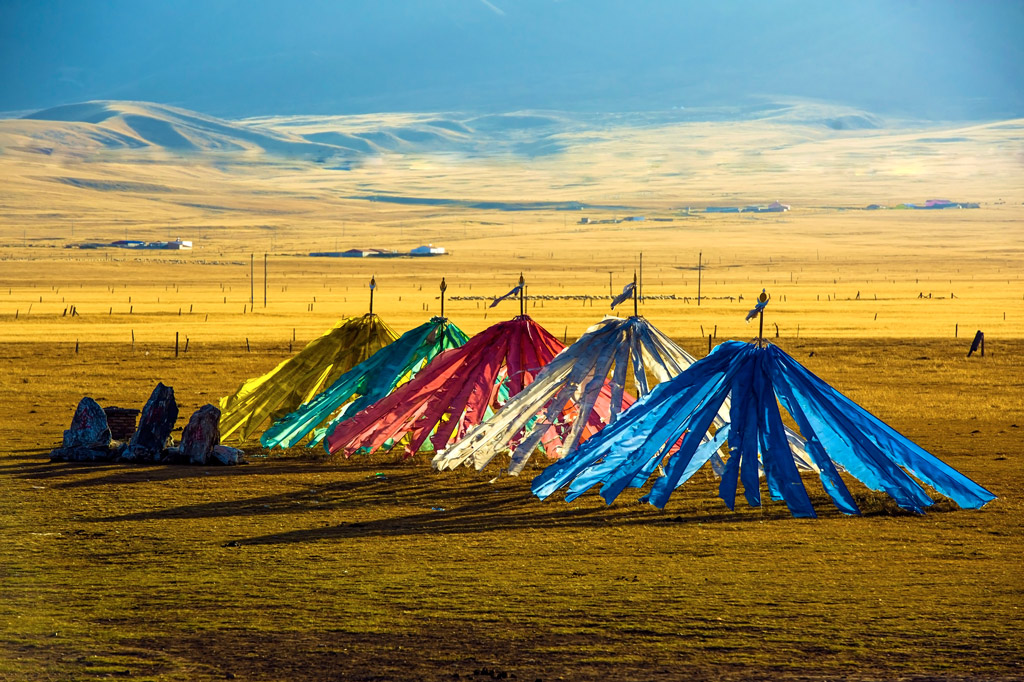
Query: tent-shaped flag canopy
x=302 y=376
x=454 y=392
x=371 y=380
x=667 y=427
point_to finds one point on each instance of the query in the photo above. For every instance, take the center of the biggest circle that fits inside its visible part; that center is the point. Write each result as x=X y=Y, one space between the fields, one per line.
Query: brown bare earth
x=293 y=567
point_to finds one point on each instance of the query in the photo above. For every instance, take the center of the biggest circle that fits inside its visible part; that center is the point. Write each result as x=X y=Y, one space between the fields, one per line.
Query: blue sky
x=929 y=59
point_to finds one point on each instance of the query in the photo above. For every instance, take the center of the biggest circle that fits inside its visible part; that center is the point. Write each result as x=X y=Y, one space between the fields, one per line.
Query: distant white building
x=428 y=250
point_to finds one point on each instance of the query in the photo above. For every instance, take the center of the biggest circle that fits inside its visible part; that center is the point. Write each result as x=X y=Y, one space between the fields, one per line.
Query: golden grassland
x=293 y=567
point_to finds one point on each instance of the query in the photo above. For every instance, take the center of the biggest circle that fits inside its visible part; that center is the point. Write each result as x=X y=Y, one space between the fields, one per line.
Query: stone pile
x=89 y=439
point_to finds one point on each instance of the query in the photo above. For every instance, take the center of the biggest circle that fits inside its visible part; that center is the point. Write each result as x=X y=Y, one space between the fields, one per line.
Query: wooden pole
x=175 y=344
x=763 y=298
x=252 y=284
x=978 y=343
x=373 y=285
x=264 y=280
x=636 y=296
x=443 y=287
x=522 y=295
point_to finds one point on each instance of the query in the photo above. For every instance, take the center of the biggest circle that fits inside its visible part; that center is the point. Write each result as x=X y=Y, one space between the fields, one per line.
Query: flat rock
x=171 y=455
x=201 y=435
x=223 y=454
x=82 y=453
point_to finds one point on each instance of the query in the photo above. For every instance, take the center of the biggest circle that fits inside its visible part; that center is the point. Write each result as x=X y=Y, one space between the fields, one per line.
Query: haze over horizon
x=234 y=59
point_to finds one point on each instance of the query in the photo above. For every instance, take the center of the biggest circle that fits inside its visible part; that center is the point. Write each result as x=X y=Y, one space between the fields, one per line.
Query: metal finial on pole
x=522 y=295
x=373 y=285
x=443 y=287
x=636 y=296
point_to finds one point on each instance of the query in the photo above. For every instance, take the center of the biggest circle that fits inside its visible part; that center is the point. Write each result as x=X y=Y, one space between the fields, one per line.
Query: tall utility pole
x=700 y=258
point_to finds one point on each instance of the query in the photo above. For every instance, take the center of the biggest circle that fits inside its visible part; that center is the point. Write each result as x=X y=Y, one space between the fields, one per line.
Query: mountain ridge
x=132 y=125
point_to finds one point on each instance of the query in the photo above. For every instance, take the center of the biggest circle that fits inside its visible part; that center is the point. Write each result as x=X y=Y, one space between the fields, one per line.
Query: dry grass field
x=292 y=567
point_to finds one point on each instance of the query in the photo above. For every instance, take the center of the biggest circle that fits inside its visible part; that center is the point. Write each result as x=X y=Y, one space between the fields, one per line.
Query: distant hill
x=119 y=125
x=150 y=163
x=116 y=125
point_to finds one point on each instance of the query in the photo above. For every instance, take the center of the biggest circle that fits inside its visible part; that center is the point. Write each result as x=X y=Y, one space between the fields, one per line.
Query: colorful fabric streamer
x=575 y=383
x=756 y=310
x=371 y=380
x=627 y=292
x=299 y=378
x=514 y=291
x=666 y=428
x=457 y=390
